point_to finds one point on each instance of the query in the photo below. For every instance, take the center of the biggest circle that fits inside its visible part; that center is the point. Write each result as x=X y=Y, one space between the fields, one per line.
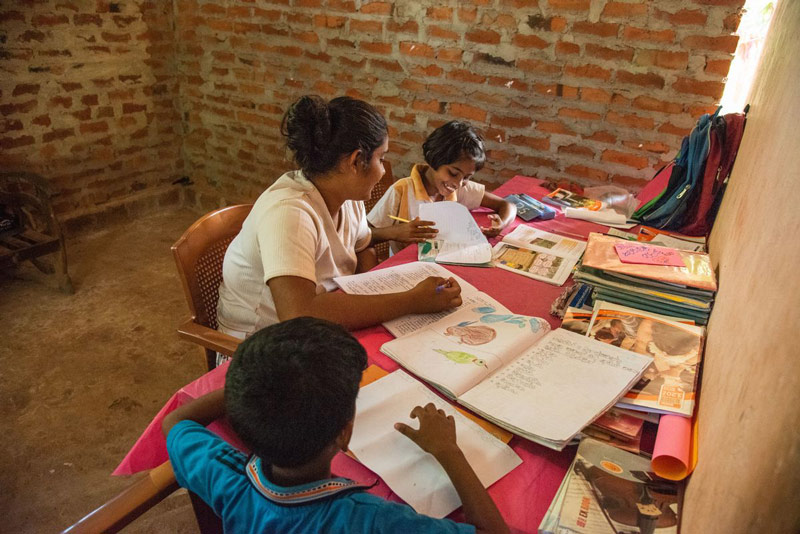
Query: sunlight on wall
x=752 y=32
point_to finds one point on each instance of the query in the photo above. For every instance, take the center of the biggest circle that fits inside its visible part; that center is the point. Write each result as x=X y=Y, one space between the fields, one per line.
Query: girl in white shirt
x=310 y=226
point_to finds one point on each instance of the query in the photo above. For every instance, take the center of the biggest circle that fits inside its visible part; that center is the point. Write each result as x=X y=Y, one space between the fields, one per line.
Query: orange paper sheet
x=675 y=451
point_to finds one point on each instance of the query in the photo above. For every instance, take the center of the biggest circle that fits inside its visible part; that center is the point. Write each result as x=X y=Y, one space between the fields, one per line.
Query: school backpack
x=697 y=177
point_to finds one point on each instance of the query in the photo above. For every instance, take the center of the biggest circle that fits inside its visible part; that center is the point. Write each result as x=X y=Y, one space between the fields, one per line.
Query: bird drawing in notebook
x=462 y=357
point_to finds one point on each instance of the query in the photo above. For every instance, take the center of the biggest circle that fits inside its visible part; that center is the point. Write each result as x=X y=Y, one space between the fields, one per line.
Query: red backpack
x=725 y=137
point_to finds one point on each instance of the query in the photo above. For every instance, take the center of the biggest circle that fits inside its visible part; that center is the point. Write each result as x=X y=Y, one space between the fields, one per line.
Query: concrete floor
x=81 y=375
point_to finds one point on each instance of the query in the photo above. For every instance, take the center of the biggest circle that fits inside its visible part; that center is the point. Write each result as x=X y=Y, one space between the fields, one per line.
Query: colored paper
x=648 y=255
x=672 y=453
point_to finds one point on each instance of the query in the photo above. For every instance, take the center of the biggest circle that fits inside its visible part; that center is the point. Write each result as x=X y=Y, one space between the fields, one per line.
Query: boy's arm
x=203 y=410
x=437 y=436
x=505 y=210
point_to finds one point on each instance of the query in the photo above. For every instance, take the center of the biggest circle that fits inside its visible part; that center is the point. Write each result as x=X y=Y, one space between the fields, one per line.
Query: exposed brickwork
x=89 y=100
x=112 y=100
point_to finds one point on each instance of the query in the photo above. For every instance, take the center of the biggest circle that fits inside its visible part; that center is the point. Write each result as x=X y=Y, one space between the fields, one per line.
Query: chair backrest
x=381 y=187
x=199 y=254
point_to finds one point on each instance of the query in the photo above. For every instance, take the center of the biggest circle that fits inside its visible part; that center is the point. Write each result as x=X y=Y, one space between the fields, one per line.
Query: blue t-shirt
x=240 y=493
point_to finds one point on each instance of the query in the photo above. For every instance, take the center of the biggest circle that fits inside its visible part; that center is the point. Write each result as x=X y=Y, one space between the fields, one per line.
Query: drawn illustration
x=543 y=243
x=462 y=357
x=471 y=334
x=489 y=316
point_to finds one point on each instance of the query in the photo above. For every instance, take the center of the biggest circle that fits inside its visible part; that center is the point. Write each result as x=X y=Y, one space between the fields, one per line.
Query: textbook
x=512 y=370
x=404 y=277
x=538 y=254
x=529 y=208
x=669 y=384
x=610 y=491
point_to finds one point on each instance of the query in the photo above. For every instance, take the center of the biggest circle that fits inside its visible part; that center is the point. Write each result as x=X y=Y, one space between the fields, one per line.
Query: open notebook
x=544 y=386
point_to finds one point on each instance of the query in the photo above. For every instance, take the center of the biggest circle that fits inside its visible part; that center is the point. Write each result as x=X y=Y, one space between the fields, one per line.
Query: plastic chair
x=199 y=254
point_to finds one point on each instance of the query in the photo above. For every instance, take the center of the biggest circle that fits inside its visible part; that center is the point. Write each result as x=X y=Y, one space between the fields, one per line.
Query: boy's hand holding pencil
x=415 y=231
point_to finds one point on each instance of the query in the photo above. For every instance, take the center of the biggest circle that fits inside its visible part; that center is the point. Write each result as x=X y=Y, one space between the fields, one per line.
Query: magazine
x=669 y=383
x=497 y=363
x=568 y=199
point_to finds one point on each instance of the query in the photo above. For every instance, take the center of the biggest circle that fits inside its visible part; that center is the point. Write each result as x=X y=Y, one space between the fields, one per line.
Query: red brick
x=41 y=120
x=537 y=143
x=8 y=16
x=624 y=158
x=731 y=22
x=600 y=29
x=555 y=127
x=583 y=171
x=62 y=133
x=718 y=66
x=63 y=101
x=342 y=5
x=511 y=121
x=128 y=107
x=558 y=24
x=696 y=87
x=510 y=83
x=614 y=54
x=83 y=114
x=219 y=25
x=483 y=36
x=535 y=161
x=564 y=48
x=390 y=65
x=377 y=8
x=574 y=113
x=468 y=112
x=697 y=110
x=624 y=10
x=733 y=3
x=213 y=9
x=588 y=71
x=590 y=94
x=684 y=17
x=440 y=13
x=674 y=130
x=463 y=75
x=31 y=35
x=115 y=37
x=467 y=14
x=366 y=26
x=650 y=146
x=723 y=43
x=441 y=33
x=534 y=65
x=432 y=71
x=662 y=58
x=644 y=80
x=10 y=125
x=530 y=41
x=602 y=137
x=94 y=127
x=16 y=142
x=433 y=106
x=26 y=89
x=409 y=26
x=578 y=150
x=651 y=36
x=450 y=55
x=653 y=104
x=416 y=49
x=617 y=100
x=49 y=20
x=22 y=107
x=70 y=86
x=634 y=121
x=376 y=48
x=570 y=5
x=84 y=19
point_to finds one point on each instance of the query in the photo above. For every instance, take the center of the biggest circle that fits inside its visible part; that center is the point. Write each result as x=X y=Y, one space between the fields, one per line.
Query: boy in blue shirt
x=290 y=395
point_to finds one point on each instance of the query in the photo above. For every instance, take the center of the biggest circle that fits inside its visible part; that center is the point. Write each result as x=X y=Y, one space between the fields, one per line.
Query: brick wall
x=114 y=101
x=88 y=98
x=590 y=90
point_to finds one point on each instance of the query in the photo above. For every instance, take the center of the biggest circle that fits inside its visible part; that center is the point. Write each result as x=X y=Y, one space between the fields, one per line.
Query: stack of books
x=685 y=291
x=610 y=491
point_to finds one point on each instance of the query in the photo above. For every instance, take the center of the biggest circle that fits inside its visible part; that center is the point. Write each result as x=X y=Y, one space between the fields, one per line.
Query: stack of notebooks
x=610 y=491
x=685 y=291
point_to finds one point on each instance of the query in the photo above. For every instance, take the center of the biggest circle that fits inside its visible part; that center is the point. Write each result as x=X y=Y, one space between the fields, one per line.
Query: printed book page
x=396 y=279
x=414 y=475
x=541 y=266
x=541 y=241
x=458 y=351
x=568 y=378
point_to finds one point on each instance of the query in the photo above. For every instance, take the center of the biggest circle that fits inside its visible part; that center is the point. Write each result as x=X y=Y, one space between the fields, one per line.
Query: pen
x=399 y=219
x=440 y=287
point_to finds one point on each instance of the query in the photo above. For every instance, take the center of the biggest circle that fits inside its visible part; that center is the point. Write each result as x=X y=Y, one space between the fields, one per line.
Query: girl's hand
x=435 y=294
x=415 y=231
x=496 y=226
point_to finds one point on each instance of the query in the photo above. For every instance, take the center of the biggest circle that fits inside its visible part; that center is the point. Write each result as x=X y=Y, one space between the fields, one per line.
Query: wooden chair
x=382 y=249
x=28 y=196
x=199 y=254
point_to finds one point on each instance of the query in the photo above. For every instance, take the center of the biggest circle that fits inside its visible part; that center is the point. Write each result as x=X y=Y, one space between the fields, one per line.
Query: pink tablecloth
x=524 y=494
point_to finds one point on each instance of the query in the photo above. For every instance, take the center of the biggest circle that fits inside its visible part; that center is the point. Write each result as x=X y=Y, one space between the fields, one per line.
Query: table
x=525 y=493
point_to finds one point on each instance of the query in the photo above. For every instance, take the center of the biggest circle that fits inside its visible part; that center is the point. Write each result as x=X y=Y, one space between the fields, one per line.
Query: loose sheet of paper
x=565 y=381
x=396 y=279
x=414 y=475
x=462 y=239
x=533 y=264
x=541 y=241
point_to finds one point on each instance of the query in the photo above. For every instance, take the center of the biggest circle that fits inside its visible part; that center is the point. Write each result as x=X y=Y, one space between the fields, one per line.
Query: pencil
x=399 y=219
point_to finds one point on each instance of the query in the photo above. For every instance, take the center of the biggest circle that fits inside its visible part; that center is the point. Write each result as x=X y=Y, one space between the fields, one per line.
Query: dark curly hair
x=291 y=388
x=319 y=133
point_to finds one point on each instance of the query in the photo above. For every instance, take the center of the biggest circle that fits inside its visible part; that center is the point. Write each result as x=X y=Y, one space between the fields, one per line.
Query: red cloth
x=524 y=494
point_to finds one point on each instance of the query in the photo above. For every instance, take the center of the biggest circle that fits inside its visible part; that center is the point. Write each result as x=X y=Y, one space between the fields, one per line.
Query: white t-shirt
x=289 y=232
x=405 y=196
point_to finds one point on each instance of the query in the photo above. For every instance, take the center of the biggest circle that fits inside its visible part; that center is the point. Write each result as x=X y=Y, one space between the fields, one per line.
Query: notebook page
x=454 y=222
x=396 y=279
x=558 y=386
